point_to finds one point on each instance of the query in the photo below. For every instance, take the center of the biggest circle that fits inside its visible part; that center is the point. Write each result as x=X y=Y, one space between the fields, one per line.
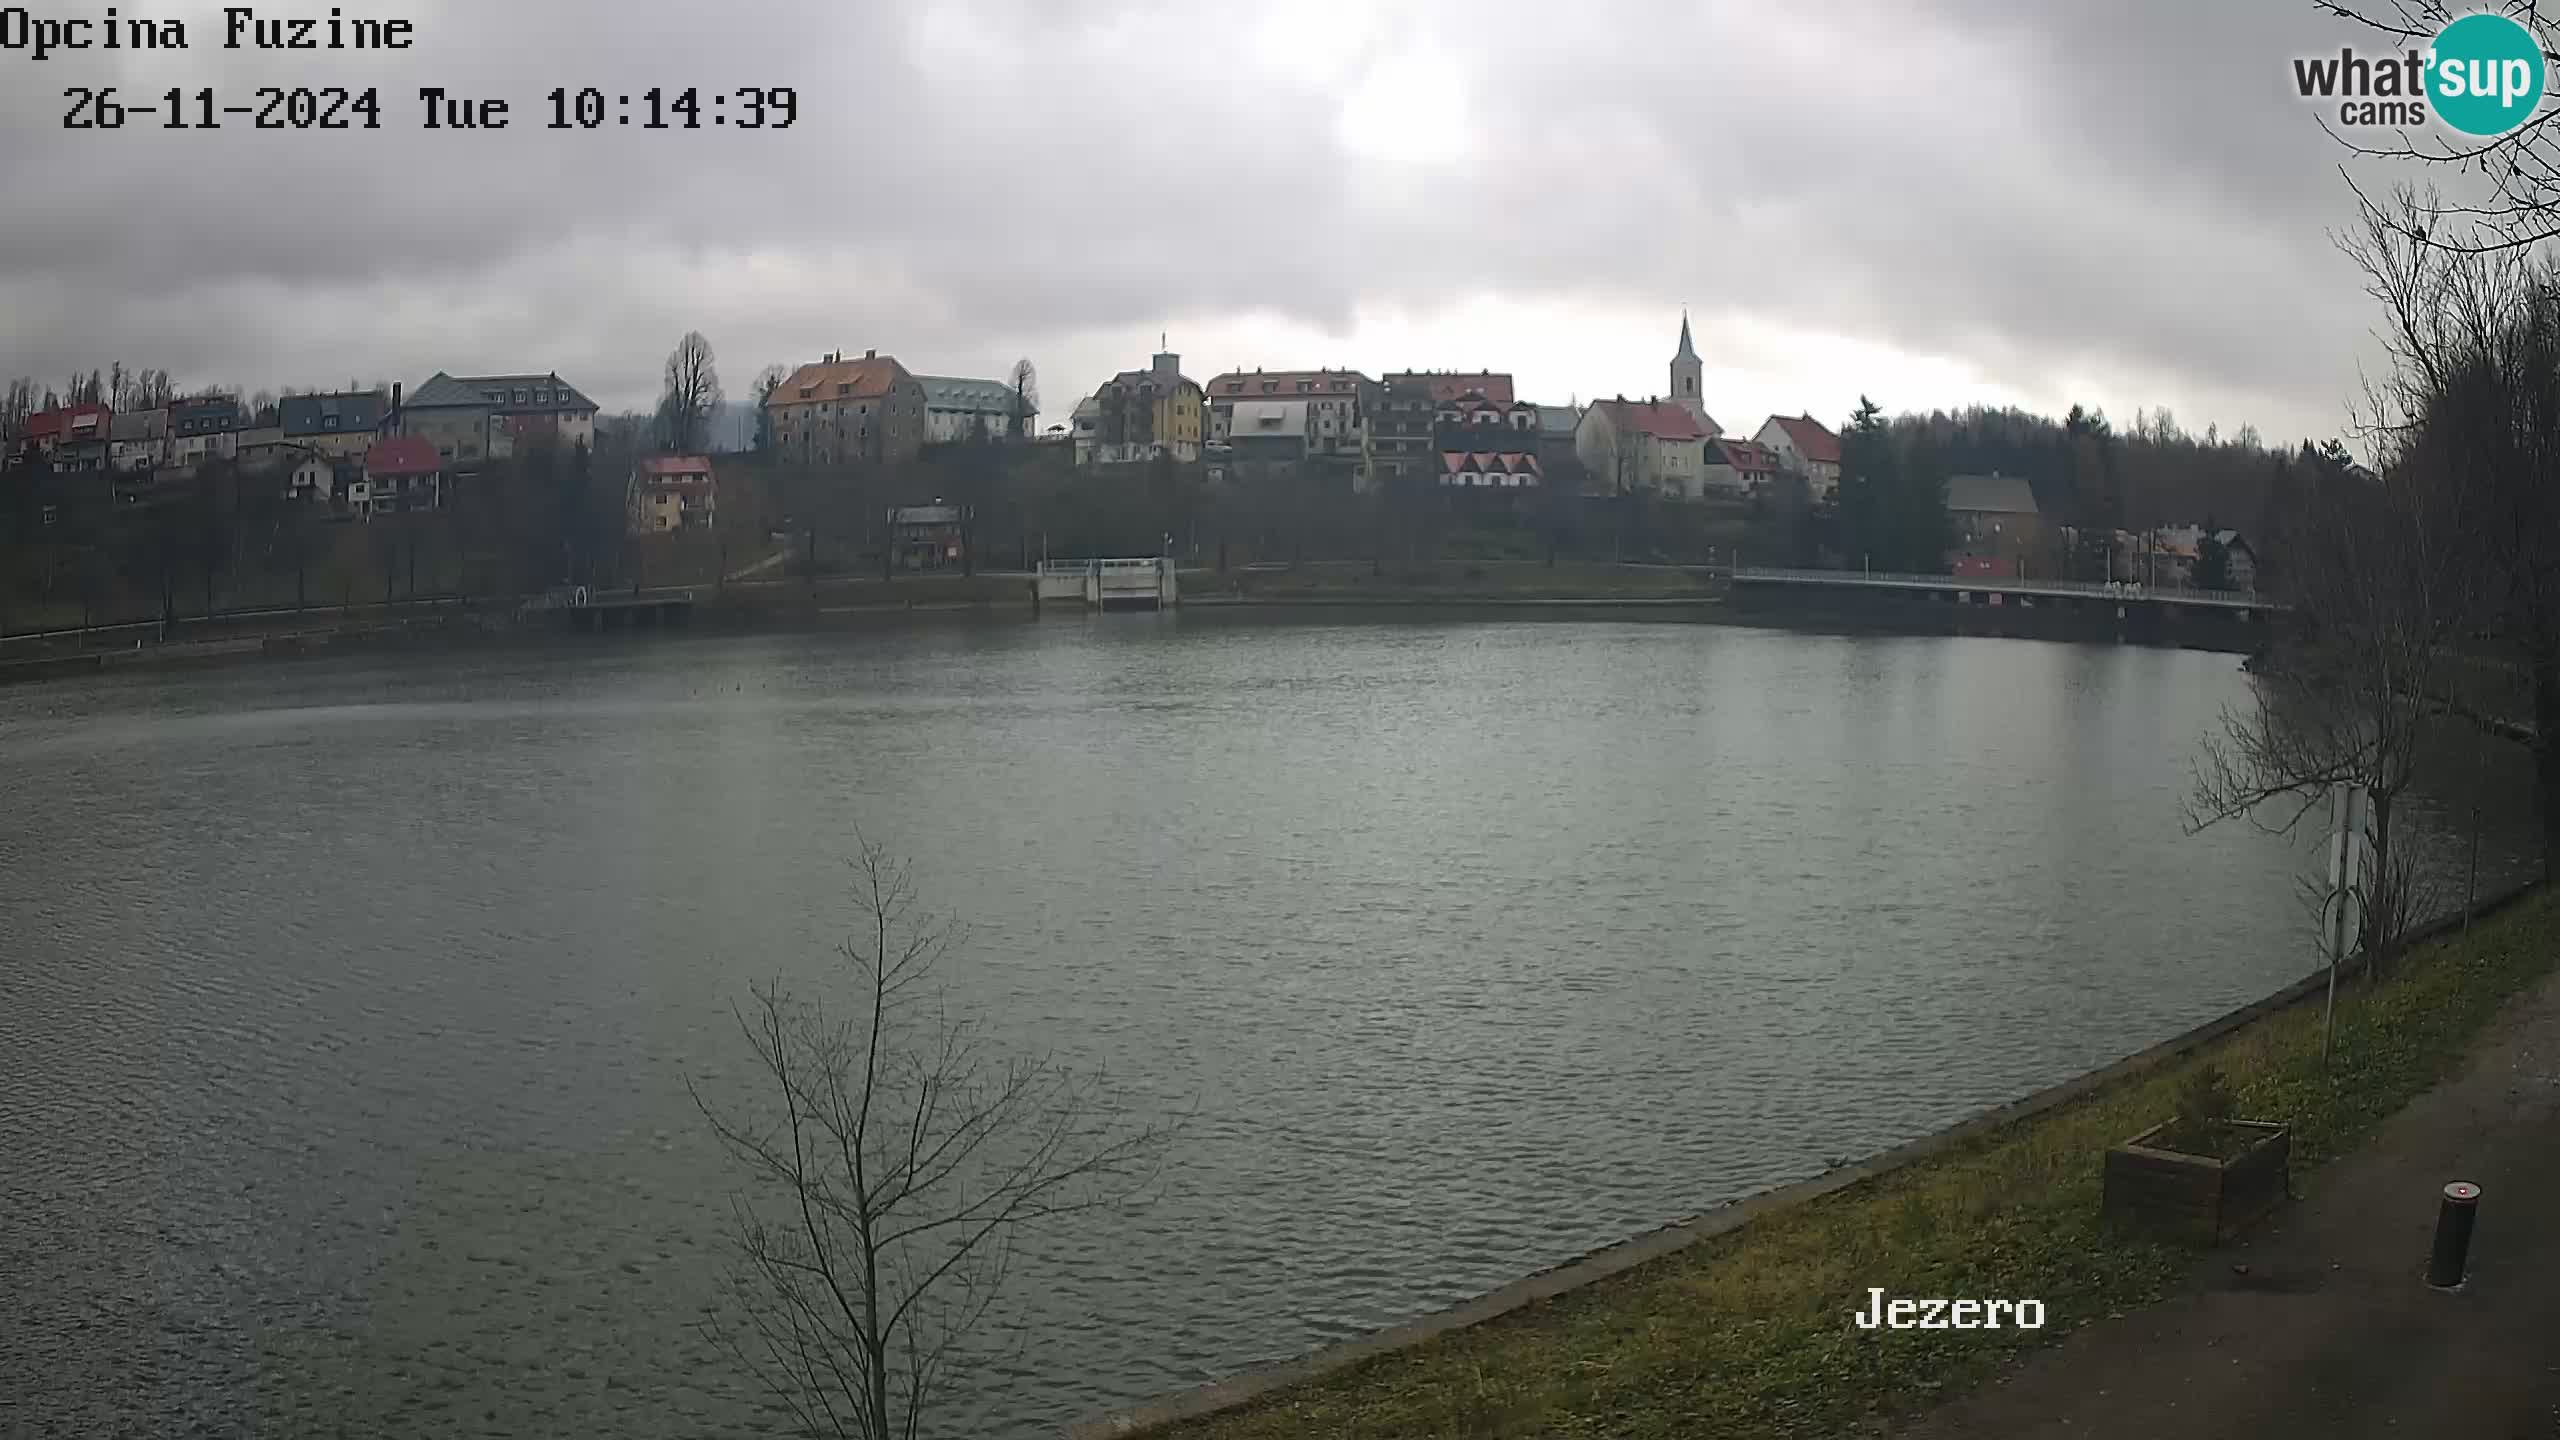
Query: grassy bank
x=1749 y=1333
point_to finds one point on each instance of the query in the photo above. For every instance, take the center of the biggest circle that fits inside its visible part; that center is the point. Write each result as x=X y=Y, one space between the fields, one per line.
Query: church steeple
x=1686 y=374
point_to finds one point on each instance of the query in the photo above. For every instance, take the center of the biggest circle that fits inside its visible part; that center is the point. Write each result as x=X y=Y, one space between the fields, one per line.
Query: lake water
x=346 y=1007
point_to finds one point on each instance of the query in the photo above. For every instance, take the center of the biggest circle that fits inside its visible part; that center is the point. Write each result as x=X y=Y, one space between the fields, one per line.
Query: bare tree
x=892 y=1162
x=2474 y=337
x=768 y=380
x=692 y=396
x=2377 y=589
x=2515 y=176
x=1026 y=396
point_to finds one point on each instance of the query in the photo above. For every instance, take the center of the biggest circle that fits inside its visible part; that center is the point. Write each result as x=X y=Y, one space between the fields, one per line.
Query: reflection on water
x=345 y=1009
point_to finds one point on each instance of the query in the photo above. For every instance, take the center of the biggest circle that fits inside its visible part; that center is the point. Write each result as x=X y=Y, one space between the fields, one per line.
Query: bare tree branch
x=691 y=398
x=890 y=1168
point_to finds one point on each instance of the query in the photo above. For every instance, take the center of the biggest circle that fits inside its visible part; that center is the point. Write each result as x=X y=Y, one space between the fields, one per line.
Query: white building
x=1805 y=446
x=1490 y=470
x=956 y=408
x=472 y=418
x=313 y=478
x=1336 y=405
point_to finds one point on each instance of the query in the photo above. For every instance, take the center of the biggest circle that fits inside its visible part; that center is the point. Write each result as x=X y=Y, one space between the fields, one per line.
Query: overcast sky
x=1936 y=202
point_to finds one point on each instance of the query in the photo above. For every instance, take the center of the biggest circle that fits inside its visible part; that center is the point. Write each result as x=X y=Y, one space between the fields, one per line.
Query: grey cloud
x=2099 y=187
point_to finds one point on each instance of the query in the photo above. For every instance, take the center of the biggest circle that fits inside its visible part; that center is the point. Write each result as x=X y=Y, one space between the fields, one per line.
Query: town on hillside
x=122 y=494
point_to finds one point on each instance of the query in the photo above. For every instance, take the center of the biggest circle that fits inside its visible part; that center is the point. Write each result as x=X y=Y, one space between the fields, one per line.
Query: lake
x=347 y=1006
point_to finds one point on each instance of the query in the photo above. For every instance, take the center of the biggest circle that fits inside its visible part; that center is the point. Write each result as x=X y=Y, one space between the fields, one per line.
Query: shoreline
x=1230 y=1397
x=443 y=627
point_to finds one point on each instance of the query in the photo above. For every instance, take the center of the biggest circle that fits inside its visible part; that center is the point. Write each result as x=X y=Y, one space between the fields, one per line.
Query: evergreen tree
x=1921 y=531
x=2213 y=560
x=1866 y=486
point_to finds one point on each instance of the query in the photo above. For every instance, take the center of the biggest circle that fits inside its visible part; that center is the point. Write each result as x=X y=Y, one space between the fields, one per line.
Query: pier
x=584 y=609
x=1141 y=584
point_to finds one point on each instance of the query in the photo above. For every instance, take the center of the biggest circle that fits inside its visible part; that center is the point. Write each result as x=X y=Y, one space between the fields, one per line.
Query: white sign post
x=2348 y=807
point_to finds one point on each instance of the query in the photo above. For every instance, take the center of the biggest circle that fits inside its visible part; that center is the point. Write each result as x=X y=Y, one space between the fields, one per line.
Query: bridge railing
x=1143 y=565
x=1902 y=580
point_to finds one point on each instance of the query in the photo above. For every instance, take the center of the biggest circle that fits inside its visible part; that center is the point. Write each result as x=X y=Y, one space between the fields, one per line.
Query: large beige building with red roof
x=840 y=411
x=1649 y=447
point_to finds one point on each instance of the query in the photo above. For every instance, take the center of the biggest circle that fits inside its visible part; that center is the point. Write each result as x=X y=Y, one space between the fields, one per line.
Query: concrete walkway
x=2321 y=1323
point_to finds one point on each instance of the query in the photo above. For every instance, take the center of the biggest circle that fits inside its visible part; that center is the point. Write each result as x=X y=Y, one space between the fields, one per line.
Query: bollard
x=2454 y=1219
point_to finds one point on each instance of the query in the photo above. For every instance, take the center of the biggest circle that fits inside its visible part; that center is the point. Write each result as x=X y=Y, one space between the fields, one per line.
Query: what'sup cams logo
x=2483 y=76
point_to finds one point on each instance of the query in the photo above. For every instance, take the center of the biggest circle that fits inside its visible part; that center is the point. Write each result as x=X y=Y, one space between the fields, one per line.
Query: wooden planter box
x=2195 y=1197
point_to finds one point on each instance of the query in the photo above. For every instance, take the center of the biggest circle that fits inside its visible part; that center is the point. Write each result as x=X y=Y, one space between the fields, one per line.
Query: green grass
x=1750 y=1333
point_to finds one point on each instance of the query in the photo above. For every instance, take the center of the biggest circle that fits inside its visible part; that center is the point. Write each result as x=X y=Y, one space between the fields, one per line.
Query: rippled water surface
x=346 y=1008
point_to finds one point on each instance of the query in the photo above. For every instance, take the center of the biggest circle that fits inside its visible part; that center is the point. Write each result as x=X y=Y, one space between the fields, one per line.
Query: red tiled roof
x=871 y=378
x=1817 y=444
x=675 y=465
x=1249 y=384
x=48 y=424
x=402 y=455
x=1661 y=419
x=1447 y=387
x=1747 y=456
x=1508 y=462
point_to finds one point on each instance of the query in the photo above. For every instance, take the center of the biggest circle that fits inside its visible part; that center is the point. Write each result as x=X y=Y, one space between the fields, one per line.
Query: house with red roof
x=401 y=473
x=842 y=410
x=1490 y=470
x=1739 y=467
x=670 y=492
x=1804 y=445
x=1650 y=447
x=1334 y=417
x=1445 y=386
x=70 y=437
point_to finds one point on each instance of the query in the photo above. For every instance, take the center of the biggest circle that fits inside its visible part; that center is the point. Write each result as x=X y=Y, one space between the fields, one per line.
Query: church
x=1654 y=446
x=1686 y=373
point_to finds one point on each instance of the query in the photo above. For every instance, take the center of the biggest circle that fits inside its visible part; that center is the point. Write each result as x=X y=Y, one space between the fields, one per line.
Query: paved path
x=2331 y=1331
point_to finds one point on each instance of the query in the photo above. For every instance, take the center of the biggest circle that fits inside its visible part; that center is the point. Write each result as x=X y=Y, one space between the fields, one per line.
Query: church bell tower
x=1685 y=374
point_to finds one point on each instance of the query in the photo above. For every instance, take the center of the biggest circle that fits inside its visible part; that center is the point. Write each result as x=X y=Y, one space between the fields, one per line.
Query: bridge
x=2235 y=620
x=1988 y=590
x=1145 y=583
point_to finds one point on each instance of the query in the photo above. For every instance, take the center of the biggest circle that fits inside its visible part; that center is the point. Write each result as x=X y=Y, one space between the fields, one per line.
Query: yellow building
x=670 y=493
x=1138 y=415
